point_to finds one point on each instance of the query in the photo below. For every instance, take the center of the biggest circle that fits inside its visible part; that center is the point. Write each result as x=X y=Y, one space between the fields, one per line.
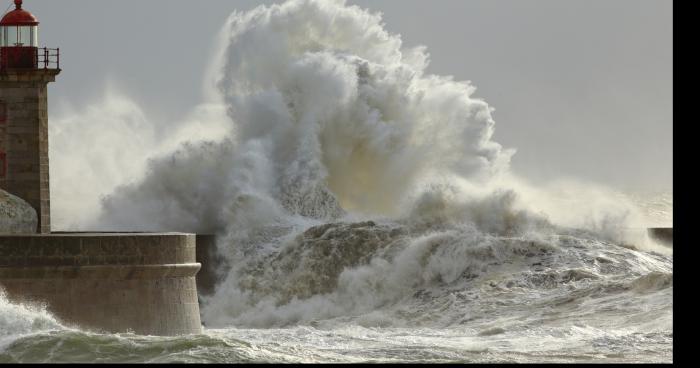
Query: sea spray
x=351 y=189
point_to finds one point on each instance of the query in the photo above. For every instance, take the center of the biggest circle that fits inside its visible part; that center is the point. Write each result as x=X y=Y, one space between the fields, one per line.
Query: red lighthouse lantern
x=19 y=39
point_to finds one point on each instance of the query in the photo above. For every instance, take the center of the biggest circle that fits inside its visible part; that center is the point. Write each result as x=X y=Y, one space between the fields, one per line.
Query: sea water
x=364 y=214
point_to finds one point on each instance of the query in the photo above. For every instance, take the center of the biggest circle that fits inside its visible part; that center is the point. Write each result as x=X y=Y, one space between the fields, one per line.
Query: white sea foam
x=348 y=186
x=18 y=320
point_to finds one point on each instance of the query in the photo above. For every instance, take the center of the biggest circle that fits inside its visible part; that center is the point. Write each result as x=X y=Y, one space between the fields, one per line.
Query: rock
x=16 y=215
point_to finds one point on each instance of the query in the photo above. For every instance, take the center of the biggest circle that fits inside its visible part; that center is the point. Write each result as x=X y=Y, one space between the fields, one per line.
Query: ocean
x=364 y=214
x=376 y=292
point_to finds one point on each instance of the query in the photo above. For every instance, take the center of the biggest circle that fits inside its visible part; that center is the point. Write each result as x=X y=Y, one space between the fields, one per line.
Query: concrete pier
x=141 y=283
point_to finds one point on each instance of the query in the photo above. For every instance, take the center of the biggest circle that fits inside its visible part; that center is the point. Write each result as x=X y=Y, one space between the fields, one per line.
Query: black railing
x=47 y=58
x=29 y=58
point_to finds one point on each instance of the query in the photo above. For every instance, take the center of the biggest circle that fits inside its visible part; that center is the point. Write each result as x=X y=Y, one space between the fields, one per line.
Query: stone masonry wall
x=141 y=283
x=24 y=139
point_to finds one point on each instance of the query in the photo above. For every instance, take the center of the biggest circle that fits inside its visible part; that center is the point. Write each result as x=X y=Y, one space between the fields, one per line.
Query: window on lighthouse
x=19 y=36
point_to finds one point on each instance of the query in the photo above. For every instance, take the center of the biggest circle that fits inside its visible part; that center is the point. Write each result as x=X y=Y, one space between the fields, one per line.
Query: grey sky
x=581 y=88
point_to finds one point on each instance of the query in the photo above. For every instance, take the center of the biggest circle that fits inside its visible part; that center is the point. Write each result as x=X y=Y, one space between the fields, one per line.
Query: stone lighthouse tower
x=25 y=71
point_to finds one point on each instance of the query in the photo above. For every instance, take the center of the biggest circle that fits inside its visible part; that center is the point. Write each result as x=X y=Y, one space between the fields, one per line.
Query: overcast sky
x=581 y=88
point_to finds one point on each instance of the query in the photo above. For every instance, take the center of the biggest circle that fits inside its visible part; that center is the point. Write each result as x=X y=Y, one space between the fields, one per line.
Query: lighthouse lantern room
x=19 y=38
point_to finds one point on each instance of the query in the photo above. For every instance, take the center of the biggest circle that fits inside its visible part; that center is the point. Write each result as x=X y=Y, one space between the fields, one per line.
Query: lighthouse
x=25 y=72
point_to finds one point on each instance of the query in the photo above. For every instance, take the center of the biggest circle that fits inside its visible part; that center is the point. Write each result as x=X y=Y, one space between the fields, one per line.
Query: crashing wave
x=345 y=182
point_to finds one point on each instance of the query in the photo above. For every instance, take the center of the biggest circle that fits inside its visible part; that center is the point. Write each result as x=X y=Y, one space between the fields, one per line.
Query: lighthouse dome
x=19 y=17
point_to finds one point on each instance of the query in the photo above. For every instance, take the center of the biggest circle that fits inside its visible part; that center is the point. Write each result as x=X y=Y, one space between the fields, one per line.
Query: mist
x=580 y=89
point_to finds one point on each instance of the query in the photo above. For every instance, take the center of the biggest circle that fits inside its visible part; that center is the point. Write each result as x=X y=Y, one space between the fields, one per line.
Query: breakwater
x=127 y=282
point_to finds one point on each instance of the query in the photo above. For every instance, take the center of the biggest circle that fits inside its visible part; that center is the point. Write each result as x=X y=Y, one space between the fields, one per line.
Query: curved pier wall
x=142 y=283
